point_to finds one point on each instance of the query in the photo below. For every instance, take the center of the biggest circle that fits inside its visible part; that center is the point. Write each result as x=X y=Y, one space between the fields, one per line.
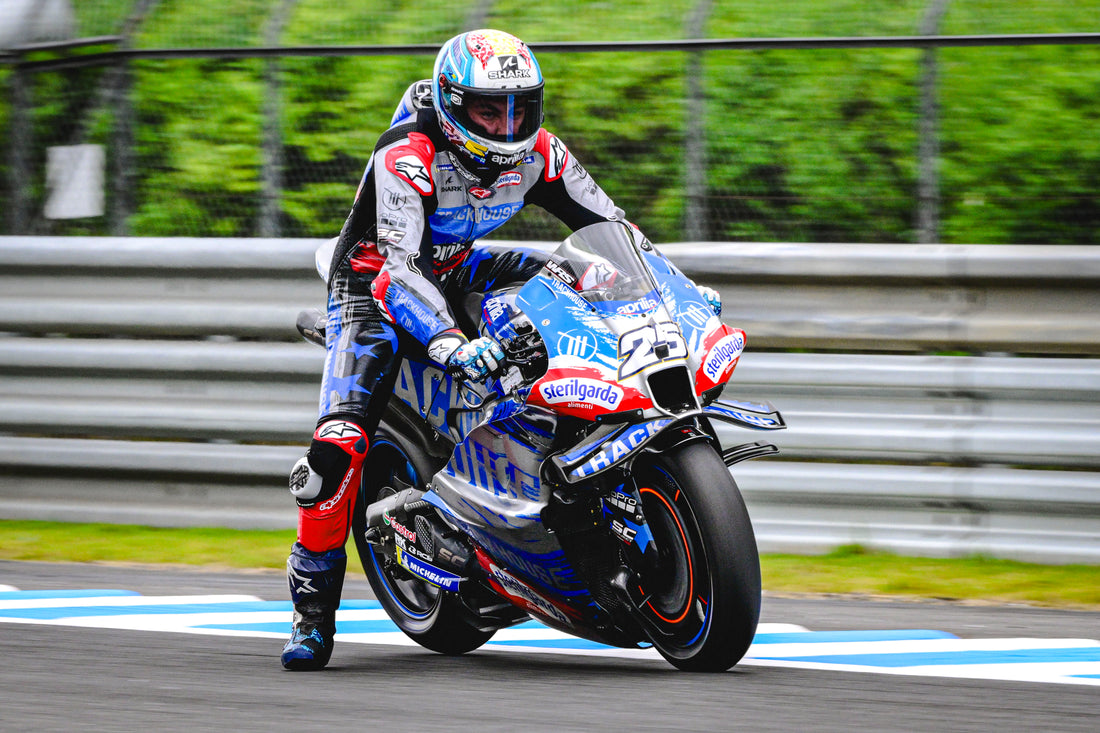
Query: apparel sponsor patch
x=339 y=429
x=511 y=178
x=412 y=170
x=442 y=347
x=391 y=228
x=500 y=213
x=443 y=254
x=390 y=236
x=582 y=390
x=722 y=355
x=415 y=316
x=394 y=199
x=557 y=156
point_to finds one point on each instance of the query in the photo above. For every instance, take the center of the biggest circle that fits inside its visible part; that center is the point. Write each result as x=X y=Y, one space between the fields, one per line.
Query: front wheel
x=428 y=615
x=702 y=589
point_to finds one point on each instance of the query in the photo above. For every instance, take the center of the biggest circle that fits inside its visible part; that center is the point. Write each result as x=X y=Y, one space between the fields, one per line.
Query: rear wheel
x=703 y=587
x=428 y=615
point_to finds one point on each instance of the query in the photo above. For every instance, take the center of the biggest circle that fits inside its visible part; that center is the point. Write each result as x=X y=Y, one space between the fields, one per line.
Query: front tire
x=429 y=616
x=703 y=588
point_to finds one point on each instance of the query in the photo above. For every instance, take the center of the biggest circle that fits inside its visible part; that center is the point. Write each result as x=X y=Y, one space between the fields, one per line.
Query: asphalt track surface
x=60 y=678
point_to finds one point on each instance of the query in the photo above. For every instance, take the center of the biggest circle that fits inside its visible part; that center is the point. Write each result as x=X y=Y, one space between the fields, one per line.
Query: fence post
x=695 y=142
x=272 y=152
x=19 y=150
x=272 y=138
x=928 y=184
x=122 y=150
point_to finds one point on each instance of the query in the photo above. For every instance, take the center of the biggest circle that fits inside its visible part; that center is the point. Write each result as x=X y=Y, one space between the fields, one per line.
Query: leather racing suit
x=406 y=253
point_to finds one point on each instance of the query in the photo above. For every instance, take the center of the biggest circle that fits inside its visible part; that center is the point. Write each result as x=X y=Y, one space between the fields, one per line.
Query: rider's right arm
x=406 y=289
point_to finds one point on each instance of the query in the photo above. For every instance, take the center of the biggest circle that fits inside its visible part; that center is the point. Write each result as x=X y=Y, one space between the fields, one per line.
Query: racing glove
x=475 y=360
x=714 y=300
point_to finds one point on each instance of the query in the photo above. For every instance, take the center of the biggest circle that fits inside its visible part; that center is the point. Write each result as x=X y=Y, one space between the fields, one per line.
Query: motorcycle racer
x=465 y=152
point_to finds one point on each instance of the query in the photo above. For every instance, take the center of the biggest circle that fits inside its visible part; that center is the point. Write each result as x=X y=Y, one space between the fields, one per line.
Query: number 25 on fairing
x=636 y=348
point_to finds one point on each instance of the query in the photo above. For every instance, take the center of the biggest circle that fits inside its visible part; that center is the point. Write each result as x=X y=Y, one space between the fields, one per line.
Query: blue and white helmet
x=493 y=65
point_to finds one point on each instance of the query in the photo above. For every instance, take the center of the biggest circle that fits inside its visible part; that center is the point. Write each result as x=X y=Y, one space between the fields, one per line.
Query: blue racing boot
x=316 y=580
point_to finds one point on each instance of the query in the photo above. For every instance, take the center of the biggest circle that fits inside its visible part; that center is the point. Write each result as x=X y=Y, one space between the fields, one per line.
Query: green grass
x=63 y=542
x=802 y=145
x=848 y=570
x=854 y=570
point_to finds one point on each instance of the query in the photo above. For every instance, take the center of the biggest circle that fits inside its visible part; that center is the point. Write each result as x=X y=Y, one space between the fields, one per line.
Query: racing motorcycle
x=585 y=487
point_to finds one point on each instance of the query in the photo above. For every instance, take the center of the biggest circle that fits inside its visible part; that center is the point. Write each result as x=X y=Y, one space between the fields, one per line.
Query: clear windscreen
x=603 y=265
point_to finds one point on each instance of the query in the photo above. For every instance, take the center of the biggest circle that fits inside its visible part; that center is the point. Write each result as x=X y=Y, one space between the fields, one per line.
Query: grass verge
x=848 y=570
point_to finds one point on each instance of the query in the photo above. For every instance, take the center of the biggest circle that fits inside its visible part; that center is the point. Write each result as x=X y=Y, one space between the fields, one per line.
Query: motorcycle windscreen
x=602 y=264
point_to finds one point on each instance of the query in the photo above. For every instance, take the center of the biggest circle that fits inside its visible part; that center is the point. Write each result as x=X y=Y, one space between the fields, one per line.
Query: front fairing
x=620 y=322
x=616 y=325
x=613 y=332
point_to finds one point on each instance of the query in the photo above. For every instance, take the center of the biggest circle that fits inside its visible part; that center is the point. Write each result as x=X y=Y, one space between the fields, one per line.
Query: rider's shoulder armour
x=412 y=162
x=553 y=152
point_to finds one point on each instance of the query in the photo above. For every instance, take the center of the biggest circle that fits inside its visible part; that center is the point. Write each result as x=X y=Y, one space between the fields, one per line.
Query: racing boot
x=316 y=580
x=324 y=483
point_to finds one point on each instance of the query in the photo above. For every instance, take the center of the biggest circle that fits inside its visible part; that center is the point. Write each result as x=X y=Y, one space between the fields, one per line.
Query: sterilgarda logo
x=578 y=389
x=723 y=354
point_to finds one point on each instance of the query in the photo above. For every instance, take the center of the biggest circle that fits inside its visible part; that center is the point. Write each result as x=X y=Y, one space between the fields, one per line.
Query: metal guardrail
x=162 y=382
x=852 y=297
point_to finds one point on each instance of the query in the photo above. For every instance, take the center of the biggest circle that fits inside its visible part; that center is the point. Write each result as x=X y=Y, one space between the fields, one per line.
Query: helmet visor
x=502 y=116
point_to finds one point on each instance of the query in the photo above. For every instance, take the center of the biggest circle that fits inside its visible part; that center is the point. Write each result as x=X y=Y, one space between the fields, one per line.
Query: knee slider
x=338 y=446
x=305 y=483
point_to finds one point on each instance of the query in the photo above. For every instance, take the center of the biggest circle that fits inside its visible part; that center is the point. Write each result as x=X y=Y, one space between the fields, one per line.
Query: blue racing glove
x=714 y=300
x=477 y=360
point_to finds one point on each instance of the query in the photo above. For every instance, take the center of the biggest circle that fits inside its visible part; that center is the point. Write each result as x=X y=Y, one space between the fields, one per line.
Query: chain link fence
x=245 y=118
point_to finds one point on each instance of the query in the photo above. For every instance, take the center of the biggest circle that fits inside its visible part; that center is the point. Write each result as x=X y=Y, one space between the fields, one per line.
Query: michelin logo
x=724 y=353
x=579 y=389
x=430 y=573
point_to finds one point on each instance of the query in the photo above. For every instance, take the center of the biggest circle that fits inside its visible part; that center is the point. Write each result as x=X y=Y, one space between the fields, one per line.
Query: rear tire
x=428 y=615
x=704 y=586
